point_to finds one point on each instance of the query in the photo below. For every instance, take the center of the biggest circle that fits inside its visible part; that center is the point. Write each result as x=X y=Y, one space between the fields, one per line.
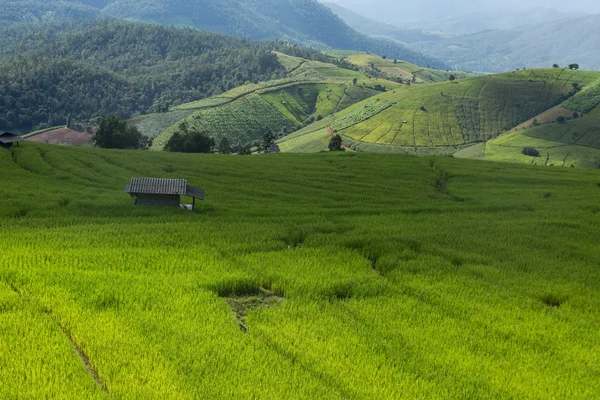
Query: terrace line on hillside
x=163 y=192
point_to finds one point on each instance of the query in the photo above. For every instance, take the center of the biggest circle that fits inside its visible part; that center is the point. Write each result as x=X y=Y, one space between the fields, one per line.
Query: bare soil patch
x=397 y=72
x=64 y=136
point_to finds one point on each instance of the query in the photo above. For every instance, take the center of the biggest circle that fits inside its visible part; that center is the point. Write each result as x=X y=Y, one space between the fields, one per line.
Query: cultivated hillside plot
x=447 y=117
x=325 y=276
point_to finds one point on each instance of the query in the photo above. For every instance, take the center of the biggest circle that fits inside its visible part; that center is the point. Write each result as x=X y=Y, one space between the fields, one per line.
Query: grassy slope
x=574 y=143
x=313 y=88
x=468 y=255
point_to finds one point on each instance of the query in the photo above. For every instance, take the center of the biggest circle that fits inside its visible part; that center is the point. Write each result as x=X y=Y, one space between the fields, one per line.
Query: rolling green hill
x=445 y=118
x=327 y=276
x=312 y=93
x=575 y=142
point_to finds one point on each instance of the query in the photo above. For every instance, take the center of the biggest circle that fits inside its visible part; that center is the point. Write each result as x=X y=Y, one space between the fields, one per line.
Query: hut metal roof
x=9 y=137
x=163 y=186
x=157 y=186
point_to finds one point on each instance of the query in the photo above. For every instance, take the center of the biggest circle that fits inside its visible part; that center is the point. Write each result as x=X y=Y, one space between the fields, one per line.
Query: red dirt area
x=135 y=122
x=64 y=136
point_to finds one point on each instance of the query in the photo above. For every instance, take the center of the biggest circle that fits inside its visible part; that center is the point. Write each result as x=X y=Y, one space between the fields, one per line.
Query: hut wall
x=158 y=200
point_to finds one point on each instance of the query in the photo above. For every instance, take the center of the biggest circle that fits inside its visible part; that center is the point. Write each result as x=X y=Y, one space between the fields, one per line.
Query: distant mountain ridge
x=534 y=38
x=479 y=14
x=305 y=22
x=573 y=40
x=372 y=27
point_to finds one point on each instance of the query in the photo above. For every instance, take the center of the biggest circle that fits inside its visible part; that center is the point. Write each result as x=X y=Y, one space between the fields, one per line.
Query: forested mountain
x=305 y=22
x=89 y=68
x=33 y=11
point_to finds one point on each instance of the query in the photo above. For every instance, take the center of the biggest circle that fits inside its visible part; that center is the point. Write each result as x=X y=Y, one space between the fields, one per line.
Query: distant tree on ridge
x=224 y=146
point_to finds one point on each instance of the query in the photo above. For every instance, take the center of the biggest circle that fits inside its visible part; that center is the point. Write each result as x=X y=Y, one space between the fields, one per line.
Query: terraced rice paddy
x=313 y=91
x=241 y=121
x=399 y=69
x=342 y=276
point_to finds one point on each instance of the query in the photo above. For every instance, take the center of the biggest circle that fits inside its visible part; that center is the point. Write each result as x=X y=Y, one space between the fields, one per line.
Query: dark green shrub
x=114 y=133
x=188 y=140
x=530 y=151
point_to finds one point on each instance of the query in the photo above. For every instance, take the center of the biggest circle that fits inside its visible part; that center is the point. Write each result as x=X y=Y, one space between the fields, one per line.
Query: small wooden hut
x=163 y=192
x=8 y=138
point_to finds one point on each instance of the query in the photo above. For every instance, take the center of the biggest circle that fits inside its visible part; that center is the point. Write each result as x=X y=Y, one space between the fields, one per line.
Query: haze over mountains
x=489 y=41
x=400 y=13
x=574 y=40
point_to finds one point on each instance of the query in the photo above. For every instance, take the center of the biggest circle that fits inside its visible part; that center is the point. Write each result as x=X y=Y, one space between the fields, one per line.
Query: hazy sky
x=400 y=10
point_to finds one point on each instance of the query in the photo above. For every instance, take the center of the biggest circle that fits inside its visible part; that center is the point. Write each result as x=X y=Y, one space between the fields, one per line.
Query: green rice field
x=301 y=276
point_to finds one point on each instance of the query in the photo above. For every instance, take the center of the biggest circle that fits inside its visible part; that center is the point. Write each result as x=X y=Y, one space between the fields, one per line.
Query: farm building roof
x=9 y=137
x=163 y=186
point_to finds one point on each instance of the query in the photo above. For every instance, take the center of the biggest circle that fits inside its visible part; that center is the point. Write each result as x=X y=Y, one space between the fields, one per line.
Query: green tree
x=189 y=140
x=114 y=133
x=354 y=81
x=555 y=66
x=244 y=151
x=224 y=146
x=452 y=77
x=268 y=140
x=573 y=66
x=335 y=144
